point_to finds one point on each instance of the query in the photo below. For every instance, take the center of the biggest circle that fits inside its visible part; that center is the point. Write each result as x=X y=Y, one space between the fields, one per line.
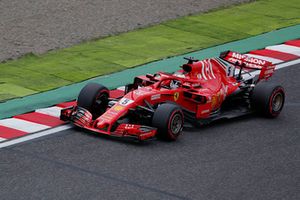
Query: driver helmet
x=174 y=84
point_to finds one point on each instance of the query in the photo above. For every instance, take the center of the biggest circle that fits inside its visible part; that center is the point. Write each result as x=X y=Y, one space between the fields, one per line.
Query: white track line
x=283 y=65
x=52 y=111
x=122 y=88
x=272 y=60
x=2 y=139
x=23 y=125
x=34 y=136
x=68 y=126
x=285 y=49
x=287 y=64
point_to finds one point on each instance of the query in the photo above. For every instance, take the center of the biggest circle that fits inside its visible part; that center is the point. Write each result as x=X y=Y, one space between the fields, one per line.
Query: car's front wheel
x=94 y=98
x=168 y=119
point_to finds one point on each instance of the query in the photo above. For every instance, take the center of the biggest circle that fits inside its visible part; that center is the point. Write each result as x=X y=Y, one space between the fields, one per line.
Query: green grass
x=32 y=74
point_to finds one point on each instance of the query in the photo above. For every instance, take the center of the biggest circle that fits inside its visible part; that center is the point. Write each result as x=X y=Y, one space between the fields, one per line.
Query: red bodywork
x=201 y=87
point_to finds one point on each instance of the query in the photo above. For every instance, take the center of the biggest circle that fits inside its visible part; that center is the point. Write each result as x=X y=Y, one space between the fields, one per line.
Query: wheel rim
x=100 y=103
x=277 y=102
x=101 y=99
x=176 y=124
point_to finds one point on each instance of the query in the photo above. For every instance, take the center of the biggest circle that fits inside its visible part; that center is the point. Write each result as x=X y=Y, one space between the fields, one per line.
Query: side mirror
x=150 y=76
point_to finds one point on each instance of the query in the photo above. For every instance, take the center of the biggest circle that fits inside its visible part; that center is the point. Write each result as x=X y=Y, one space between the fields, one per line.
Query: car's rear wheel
x=94 y=98
x=168 y=119
x=268 y=99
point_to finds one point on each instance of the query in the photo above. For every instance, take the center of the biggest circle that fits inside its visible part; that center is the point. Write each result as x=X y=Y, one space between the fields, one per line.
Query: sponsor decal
x=205 y=111
x=248 y=59
x=125 y=101
x=214 y=101
x=251 y=65
x=176 y=96
x=128 y=126
x=111 y=112
x=118 y=107
x=267 y=72
x=140 y=91
x=155 y=97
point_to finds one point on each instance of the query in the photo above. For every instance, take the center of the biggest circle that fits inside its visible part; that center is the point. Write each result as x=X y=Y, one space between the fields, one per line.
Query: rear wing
x=243 y=61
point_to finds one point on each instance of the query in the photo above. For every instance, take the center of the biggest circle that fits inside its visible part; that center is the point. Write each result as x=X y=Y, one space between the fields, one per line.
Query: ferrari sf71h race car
x=199 y=93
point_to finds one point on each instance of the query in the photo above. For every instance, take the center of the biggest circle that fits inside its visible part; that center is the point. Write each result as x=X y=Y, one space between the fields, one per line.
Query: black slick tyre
x=94 y=98
x=168 y=119
x=268 y=99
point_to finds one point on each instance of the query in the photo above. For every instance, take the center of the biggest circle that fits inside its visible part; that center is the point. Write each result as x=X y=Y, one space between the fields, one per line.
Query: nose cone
x=102 y=124
x=110 y=116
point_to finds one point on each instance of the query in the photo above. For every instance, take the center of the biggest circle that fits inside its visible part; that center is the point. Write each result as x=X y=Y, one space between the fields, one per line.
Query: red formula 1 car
x=199 y=93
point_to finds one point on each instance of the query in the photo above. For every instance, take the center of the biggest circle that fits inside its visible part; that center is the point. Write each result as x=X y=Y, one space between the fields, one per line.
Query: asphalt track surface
x=38 y=26
x=245 y=158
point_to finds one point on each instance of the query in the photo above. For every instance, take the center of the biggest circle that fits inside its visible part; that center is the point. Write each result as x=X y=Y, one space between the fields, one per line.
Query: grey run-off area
x=39 y=26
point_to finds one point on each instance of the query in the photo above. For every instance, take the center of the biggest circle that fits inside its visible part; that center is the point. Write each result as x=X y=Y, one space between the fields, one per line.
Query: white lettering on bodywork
x=125 y=101
x=155 y=97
